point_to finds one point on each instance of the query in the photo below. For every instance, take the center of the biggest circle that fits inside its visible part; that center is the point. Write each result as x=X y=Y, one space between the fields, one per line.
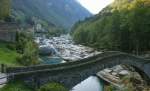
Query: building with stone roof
x=8 y=31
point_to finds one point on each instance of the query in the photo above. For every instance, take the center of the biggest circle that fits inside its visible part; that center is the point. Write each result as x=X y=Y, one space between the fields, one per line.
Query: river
x=73 y=51
x=91 y=84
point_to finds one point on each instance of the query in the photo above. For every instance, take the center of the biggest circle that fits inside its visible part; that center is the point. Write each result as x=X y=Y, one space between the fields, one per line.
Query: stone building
x=8 y=32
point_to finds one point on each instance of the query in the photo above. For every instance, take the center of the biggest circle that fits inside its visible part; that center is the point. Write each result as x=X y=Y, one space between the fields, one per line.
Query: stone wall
x=7 y=36
x=8 y=32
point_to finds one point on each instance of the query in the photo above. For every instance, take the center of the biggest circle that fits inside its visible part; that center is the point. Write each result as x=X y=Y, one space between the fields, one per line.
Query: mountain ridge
x=63 y=14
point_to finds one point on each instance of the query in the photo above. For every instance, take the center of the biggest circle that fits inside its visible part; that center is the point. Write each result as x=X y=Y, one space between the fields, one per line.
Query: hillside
x=123 y=25
x=63 y=13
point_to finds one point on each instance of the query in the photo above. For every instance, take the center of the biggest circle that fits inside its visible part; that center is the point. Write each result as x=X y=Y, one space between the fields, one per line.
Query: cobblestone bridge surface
x=72 y=73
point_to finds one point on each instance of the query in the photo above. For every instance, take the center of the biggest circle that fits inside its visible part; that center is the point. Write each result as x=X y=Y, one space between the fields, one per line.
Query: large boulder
x=46 y=51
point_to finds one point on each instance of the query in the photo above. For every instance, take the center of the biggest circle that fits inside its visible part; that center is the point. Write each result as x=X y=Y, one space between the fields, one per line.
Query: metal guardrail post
x=36 y=82
x=2 y=68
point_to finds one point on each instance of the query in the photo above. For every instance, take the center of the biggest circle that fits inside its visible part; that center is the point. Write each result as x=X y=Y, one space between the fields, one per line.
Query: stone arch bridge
x=72 y=73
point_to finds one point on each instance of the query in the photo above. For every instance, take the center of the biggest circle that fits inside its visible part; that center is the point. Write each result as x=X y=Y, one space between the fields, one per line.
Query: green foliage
x=53 y=87
x=30 y=55
x=23 y=52
x=21 y=39
x=123 y=25
x=15 y=86
x=27 y=48
x=8 y=54
x=55 y=31
x=4 y=9
x=21 y=86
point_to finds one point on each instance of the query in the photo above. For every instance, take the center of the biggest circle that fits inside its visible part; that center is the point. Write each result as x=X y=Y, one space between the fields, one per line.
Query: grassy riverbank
x=20 y=86
x=8 y=55
x=16 y=86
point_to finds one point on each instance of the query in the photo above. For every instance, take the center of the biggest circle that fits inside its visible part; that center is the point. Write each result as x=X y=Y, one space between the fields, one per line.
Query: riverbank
x=21 y=86
x=123 y=78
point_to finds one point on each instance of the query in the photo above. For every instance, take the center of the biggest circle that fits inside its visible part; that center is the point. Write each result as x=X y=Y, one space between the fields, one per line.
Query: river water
x=51 y=60
x=91 y=84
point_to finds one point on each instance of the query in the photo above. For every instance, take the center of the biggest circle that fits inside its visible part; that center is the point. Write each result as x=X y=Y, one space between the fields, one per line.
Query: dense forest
x=123 y=25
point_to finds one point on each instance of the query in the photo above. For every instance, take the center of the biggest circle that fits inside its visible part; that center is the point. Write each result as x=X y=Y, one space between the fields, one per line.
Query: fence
x=3 y=76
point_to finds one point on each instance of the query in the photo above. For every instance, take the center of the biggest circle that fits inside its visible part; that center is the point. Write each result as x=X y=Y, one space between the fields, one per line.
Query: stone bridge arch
x=70 y=74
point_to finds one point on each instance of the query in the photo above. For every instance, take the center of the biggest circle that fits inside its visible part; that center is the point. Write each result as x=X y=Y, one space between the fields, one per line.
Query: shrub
x=27 y=48
x=15 y=86
x=53 y=87
x=11 y=46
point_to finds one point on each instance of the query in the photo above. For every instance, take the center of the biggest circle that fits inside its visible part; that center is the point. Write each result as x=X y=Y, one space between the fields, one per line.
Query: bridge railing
x=3 y=80
x=3 y=68
x=3 y=77
x=58 y=66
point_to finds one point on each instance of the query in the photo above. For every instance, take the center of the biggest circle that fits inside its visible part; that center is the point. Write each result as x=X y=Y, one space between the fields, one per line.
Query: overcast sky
x=94 y=6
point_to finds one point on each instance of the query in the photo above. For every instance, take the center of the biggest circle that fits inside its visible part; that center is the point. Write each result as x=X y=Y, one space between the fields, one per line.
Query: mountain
x=62 y=13
x=123 y=25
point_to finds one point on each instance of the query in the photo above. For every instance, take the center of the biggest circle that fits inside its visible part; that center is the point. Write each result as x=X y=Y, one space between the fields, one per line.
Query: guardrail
x=4 y=80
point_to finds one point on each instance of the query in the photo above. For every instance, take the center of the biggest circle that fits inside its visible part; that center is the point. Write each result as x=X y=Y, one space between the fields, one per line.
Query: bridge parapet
x=62 y=65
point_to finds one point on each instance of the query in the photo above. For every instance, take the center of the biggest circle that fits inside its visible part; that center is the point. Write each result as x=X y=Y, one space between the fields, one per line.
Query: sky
x=95 y=6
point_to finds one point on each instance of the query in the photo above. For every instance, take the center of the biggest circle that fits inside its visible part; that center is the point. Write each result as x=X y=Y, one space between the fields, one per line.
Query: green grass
x=16 y=86
x=21 y=86
x=53 y=87
x=8 y=56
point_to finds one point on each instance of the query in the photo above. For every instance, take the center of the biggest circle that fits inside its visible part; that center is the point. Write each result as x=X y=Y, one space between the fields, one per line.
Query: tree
x=5 y=9
x=27 y=48
x=123 y=25
x=30 y=55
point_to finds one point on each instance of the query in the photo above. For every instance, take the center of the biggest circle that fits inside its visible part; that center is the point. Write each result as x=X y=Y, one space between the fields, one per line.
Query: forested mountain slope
x=63 y=13
x=123 y=25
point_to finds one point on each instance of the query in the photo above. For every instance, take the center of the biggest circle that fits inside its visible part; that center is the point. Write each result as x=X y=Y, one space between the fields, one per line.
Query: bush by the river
x=15 y=86
x=21 y=86
x=28 y=49
x=53 y=87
